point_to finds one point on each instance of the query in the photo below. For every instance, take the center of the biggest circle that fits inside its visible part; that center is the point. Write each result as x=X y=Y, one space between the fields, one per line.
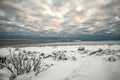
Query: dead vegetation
x=20 y=62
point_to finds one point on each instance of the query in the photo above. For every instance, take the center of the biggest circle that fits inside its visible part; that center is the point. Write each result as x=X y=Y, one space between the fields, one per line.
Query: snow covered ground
x=85 y=66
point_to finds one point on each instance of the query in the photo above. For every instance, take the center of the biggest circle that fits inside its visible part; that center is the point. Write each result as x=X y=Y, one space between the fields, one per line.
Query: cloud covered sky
x=60 y=18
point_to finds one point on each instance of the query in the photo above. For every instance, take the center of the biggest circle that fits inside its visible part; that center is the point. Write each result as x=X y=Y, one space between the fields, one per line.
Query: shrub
x=118 y=56
x=73 y=58
x=112 y=59
x=20 y=63
x=2 y=60
x=92 y=53
x=59 y=55
x=107 y=51
x=81 y=48
x=100 y=50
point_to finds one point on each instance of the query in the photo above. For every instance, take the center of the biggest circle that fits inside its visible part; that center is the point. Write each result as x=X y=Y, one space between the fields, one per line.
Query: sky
x=68 y=19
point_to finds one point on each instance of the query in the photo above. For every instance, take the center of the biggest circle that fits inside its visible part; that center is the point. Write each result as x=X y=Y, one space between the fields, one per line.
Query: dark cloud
x=68 y=18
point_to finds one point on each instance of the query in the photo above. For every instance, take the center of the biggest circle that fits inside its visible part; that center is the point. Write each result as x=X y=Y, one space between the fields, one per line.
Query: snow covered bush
x=59 y=55
x=81 y=48
x=2 y=60
x=73 y=58
x=98 y=52
x=111 y=59
x=20 y=63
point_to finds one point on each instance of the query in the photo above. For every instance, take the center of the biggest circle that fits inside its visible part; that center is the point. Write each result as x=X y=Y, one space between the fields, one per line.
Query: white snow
x=58 y=72
x=85 y=68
